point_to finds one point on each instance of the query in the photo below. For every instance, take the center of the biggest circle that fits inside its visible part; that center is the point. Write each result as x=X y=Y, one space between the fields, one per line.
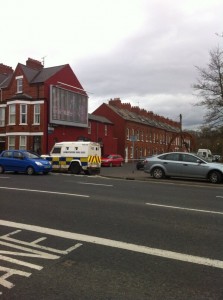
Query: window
x=189 y=158
x=19 y=84
x=127 y=133
x=36 y=114
x=22 y=142
x=2 y=116
x=11 y=142
x=23 y=114
x=89 y=127
x=106 y=130
x=12 y=114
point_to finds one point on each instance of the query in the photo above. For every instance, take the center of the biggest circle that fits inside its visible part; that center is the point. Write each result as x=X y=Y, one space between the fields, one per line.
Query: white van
x=205 y=154
x=76 y=157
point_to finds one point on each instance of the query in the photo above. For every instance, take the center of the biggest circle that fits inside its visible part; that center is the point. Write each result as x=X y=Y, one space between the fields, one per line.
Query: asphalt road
x=79 y=237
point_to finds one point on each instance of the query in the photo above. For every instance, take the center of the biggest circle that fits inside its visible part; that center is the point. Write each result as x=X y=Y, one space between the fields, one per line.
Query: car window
x=30 y=154
x=189 y=158
x=17 y=155
x=171 y=156
x=8 y=154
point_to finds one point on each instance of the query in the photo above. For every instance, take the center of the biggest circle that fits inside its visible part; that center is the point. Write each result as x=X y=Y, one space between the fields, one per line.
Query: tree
x=209 y=88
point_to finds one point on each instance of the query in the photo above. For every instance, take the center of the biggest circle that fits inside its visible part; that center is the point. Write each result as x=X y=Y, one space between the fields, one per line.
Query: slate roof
x=99 y=119
x=32 y=75
x=138 y=118
x=38 y=76
x=5 y=79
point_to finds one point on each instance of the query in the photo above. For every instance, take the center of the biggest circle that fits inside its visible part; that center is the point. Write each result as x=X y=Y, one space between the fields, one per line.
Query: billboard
x=68 y=107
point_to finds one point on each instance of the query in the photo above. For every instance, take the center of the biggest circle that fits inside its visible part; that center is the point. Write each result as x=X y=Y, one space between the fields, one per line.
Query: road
x=89 y=237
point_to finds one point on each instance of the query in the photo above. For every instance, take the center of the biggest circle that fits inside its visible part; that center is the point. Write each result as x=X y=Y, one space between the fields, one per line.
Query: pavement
x=127 y=171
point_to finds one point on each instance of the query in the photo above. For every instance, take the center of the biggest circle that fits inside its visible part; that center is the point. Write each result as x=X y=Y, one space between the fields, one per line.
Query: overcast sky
x=142 y=51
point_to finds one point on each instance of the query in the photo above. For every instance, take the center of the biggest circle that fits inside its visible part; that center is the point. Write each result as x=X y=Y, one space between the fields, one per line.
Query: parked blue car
x=23 y=161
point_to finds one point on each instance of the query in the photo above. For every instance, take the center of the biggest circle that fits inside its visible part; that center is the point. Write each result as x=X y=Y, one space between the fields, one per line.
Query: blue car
x=23 y=161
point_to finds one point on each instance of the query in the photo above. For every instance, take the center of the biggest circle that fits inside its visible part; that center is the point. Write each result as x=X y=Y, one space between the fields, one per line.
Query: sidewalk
x=128 y=171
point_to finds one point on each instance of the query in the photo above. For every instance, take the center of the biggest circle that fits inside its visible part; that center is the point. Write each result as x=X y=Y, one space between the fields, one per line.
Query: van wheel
x=158 y=173
x=75 y=168
x=215 y=177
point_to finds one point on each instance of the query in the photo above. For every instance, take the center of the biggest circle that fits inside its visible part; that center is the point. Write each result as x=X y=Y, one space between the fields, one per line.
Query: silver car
x=181 y=164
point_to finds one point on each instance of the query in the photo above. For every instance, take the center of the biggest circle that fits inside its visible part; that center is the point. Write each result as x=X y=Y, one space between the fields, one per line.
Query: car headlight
x=39 y=163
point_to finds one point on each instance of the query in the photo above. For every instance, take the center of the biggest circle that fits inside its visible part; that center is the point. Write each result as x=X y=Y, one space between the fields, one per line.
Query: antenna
x=220 y=35
x=43 y=60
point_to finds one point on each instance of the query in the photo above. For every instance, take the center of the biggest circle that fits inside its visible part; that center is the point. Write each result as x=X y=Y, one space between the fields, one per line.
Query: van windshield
x=56 y=150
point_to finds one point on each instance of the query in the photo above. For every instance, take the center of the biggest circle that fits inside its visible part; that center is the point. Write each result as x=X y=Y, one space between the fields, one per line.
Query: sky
x=144 y=52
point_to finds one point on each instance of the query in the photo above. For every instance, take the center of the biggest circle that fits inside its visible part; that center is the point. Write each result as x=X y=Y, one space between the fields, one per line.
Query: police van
x=76 y=157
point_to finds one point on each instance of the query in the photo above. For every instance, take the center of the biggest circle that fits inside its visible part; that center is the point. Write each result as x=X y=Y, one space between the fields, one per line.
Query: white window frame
x=127 y=134
x=36 y=114
x=2 y=116
x=12 y=115
x=19 y=83
x=22 y=142
x=11 y=142
x=23 y=114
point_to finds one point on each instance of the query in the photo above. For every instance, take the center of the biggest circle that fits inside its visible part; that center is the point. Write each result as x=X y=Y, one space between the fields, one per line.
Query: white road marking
x=185 y=208
x=8 y=273
x=47 y=192
x=117 y=244
x=219 y=196
x=89 y=183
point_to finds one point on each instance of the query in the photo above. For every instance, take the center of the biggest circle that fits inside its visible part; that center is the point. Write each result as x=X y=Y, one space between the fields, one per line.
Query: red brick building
x=40 y=106
x=142 y=133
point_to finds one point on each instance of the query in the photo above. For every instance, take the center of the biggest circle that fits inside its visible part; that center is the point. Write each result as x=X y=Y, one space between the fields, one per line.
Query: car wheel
x=75 y=168
x=110 y=165
x=158 y=173
x=2 y=170
x=121 y=164
x=30 y=171
x=215 y=177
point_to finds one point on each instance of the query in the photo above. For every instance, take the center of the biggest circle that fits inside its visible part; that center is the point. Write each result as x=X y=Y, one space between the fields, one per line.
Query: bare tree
x=209 y=88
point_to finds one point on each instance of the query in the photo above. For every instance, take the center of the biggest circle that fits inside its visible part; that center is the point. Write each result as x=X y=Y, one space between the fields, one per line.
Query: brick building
x=40 y=106
x=142 y=133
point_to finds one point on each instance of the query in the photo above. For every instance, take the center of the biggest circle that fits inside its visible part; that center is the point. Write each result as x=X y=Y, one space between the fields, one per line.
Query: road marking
x=90 y=183
x=185 y=208
x=47 y=192
x=219 y=196
x=117 y=244
x=30 y=250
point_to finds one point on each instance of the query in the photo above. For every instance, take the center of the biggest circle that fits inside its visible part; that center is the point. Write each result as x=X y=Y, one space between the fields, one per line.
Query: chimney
x=34 y=64
x=115 y=102
x=5 y=69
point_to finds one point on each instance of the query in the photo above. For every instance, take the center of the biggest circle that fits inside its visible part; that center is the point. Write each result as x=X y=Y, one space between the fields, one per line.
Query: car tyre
x=30 y=171
x=158 y=173
x=1 y=169
x=215 y=177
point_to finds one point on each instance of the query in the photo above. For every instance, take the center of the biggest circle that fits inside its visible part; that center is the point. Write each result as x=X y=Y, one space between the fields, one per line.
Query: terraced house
x=143 y=133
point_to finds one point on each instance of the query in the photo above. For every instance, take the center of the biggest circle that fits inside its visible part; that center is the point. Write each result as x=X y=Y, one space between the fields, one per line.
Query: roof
x=99 y=119
x=138 y=118
x=5 y=79
x=38 y=76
